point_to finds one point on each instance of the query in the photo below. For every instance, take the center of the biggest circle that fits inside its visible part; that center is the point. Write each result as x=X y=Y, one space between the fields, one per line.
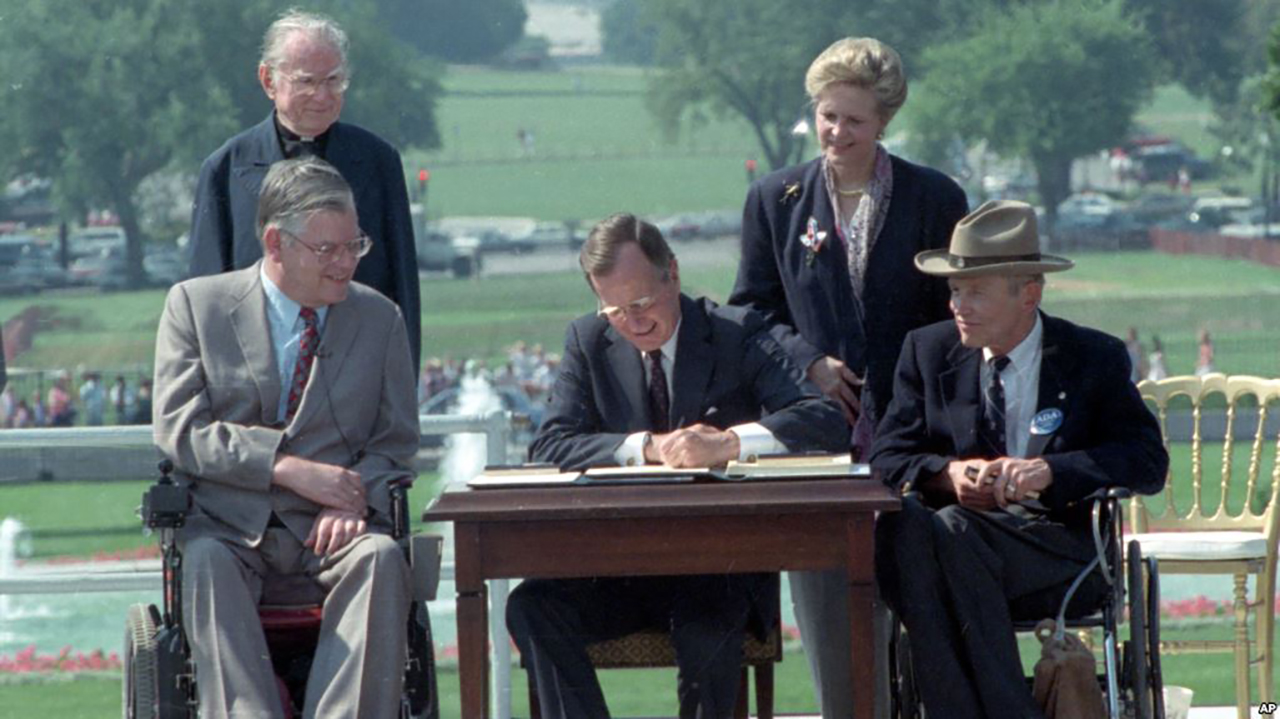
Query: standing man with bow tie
x=655 y=376
x=284 y=398
x=999 y=407
x=305 y=73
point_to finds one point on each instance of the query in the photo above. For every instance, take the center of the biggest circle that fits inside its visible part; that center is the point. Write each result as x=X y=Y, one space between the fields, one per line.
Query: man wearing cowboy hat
x=1001 y=423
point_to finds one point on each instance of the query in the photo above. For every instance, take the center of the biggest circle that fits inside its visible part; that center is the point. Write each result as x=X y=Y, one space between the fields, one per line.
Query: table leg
x=473 y=623
x=861 y=570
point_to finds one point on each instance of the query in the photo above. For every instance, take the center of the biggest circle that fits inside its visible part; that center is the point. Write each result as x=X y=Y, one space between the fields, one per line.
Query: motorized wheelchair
x=160 y=679
x=1130 y=675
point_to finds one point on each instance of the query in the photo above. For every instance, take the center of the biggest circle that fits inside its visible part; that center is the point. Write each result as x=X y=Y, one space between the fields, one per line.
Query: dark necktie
x=306 y=356
x=659 y=397
x=992 y=431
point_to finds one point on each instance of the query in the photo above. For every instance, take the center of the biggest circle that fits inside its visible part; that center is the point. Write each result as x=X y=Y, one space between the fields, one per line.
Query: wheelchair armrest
x=425 y=551
x=399 y=489
x=1119 y=493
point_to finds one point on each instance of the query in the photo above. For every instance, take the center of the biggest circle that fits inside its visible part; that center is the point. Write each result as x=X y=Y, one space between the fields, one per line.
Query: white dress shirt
x=754 y=439
x=1021 y=381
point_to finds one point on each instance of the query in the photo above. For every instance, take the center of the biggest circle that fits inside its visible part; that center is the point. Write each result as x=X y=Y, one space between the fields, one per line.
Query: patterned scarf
x=860 y=233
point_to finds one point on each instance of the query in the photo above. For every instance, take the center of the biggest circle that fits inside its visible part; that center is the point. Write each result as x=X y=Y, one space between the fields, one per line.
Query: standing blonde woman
x=827 y=250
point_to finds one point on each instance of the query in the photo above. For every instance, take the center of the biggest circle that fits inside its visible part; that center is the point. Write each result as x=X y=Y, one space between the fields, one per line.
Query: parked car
x=90 y=241
x=105 y=270
x=164 y=268
x=36 y=270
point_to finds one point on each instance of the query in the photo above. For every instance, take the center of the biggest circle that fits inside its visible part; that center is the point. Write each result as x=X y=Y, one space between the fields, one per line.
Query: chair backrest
x=1240 y=494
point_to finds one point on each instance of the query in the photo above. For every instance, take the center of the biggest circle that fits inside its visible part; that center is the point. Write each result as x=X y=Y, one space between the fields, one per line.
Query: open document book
x=798 y=466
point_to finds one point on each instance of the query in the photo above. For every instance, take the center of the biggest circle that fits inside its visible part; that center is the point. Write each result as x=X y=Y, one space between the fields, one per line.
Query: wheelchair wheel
x=1137 y=659
x=904 y=696
x=422 y=700
x=141 y=672
x=1155 y=677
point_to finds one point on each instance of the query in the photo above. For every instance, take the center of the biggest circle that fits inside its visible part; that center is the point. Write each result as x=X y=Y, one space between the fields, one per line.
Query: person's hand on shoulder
x=838 y=383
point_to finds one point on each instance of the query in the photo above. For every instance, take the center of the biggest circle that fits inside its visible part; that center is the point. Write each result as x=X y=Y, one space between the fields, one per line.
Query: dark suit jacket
x=728 y=371
x=224 y=220
x=1108 y=437
x=811 y=309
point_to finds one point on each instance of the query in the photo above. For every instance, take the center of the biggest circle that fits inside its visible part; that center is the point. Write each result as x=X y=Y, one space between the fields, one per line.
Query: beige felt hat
x=998 y=238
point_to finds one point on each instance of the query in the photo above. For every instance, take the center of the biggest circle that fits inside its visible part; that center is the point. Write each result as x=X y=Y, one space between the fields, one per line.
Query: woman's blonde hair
x=863 y=62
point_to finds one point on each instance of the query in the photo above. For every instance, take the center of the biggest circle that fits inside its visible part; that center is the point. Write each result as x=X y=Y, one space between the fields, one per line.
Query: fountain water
x=10 y=532
x=465 y=455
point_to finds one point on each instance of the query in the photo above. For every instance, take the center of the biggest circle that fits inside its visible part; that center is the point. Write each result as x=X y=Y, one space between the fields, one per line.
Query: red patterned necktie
x=306 y=356
x=659 y=398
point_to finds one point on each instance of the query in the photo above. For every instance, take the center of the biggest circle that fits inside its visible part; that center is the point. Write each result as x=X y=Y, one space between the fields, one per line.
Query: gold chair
x=1233 y=529
x=653 y=648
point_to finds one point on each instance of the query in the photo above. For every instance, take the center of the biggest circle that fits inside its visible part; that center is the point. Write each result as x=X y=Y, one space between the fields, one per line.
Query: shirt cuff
x=631 y=452
x=754 y=439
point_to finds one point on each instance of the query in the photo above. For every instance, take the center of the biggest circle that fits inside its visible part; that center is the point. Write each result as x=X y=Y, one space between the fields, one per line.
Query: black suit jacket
x=1108 y=437
x=728 y=371
x=224 y=233
x=811 y=308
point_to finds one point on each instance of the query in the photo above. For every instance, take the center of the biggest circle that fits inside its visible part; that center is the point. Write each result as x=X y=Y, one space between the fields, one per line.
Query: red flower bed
x=27 y=661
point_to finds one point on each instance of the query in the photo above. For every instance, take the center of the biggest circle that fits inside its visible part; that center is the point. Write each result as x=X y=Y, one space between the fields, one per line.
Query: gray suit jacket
x=217 y=392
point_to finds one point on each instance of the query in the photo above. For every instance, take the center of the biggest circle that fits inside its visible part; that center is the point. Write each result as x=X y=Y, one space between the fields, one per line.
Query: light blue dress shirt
x=286 y=325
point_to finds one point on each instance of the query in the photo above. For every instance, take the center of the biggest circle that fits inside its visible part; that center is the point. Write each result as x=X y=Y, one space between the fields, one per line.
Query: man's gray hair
x=300 y=21
x=294 y=190
x=600 y=252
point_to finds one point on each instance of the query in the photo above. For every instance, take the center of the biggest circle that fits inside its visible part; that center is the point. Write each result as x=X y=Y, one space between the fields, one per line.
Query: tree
x=746 y=57
x=628 y=35
x=453 y=31
x=1198 y=44
x=99 y=96
x=1049 y=82
x=749 y=57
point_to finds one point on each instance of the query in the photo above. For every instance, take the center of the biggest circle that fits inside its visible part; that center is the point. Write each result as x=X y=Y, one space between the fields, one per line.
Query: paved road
x=692 y=253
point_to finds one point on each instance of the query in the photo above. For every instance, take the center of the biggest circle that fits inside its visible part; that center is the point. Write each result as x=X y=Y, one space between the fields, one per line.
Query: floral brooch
x=812 y=239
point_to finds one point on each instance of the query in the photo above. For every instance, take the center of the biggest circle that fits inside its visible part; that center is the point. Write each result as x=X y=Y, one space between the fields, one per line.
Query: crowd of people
x=92 y=404
x=1154 y=366
x=527 y=368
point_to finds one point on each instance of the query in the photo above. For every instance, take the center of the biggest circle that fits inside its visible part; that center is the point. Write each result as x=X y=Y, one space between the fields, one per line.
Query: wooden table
x=630 y=530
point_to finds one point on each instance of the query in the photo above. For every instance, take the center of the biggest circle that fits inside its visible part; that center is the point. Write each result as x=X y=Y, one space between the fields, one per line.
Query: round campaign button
x=1046 y=421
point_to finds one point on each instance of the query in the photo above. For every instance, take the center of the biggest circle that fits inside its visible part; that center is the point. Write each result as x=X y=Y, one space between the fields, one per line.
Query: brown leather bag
x=1066 y=682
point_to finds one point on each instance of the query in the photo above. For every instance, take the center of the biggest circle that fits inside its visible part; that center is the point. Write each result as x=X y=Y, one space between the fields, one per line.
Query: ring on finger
x=1010 y=490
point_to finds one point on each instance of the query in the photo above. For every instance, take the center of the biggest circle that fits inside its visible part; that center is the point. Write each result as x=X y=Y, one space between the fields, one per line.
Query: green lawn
x=630 y=693
x=596 y=149
x=1171 y=296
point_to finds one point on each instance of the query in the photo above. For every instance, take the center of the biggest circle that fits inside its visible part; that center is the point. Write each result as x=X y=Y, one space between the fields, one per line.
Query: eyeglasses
x=308 y=85
x=326 y=253
x=634 y=308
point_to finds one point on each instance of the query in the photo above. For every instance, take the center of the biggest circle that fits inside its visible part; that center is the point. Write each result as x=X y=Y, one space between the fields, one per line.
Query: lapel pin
x=1046 y=421
x=790 y=191
x=812 y=239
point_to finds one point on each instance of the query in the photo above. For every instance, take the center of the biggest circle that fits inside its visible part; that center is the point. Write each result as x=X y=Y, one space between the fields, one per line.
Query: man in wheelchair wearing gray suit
x=284 y=397
x=1002 y=422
